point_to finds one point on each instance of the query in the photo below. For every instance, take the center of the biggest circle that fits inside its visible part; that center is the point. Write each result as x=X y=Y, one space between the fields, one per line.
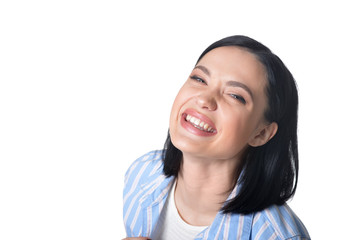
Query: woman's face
x=219 y=111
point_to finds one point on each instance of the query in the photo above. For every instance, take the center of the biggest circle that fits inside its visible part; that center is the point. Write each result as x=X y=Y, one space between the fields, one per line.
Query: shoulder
x=143 y=185
x=278 y=222
x=146 y=166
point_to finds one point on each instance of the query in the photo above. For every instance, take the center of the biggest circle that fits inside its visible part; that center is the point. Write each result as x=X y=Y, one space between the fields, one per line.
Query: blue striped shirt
x=146 y=189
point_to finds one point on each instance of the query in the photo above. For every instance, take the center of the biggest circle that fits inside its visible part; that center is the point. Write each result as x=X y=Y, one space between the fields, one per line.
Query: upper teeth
x=199 y=124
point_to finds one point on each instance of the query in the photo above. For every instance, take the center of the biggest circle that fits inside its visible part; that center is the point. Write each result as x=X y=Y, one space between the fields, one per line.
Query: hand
x=136 y=238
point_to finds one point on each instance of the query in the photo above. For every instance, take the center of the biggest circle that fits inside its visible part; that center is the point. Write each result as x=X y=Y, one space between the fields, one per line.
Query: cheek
x=235 y=130
x=176 y=107
x=238 y=129
x=182 y=97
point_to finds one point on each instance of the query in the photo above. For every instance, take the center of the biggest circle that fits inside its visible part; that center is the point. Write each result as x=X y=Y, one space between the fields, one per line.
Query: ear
x=263 y=135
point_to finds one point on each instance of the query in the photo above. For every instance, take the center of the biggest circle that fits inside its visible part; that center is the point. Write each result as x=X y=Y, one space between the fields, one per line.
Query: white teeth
x=193 y=119
x=199 y=124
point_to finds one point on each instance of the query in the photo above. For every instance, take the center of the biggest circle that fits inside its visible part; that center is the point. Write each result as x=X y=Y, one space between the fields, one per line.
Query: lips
x=197 y=123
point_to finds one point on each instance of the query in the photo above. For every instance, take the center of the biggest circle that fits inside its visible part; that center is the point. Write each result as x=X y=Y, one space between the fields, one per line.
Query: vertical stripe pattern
x=146 y=190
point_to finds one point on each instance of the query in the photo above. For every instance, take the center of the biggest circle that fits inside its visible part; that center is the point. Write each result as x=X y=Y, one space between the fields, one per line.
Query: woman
x=230 y=161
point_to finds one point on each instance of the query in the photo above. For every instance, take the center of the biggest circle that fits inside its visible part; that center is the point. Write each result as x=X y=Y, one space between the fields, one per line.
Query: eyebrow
x=229 y=83
x=204 y=69
x=241 y=85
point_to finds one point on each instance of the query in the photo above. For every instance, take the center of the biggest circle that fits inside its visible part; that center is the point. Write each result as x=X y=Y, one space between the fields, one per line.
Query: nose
x=207 y=101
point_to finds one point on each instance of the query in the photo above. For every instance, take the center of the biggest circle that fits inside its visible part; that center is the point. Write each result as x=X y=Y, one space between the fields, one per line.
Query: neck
x=202 y=187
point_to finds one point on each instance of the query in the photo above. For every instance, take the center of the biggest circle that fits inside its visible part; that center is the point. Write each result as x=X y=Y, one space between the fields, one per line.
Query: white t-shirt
x=170 y=224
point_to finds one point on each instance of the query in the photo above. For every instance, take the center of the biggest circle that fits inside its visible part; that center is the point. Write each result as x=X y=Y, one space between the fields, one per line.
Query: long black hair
x=269 y=172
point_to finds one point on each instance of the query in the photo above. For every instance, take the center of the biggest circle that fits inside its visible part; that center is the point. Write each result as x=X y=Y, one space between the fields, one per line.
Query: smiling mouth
x=197 y=123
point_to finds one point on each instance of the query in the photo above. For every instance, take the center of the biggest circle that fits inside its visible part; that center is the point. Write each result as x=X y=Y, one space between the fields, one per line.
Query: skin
x=227 y=87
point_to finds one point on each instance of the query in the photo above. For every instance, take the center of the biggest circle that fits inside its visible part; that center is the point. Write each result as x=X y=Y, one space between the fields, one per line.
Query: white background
x=86 y=87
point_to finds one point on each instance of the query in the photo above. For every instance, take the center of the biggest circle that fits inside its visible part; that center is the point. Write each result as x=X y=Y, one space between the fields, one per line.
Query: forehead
x=234 y=59
x=233 y=63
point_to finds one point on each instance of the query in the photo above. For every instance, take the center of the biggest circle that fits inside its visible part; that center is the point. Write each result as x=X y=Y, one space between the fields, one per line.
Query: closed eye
x=238 y=98
x=198 y=79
